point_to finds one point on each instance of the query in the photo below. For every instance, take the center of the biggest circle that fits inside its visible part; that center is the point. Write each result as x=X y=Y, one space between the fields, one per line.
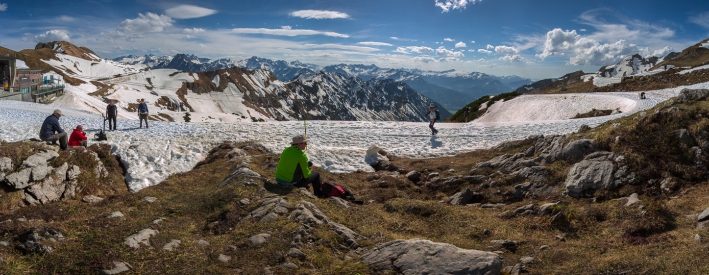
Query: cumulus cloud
x=414 y=50
x=189 y=11
x=149 y=22
x=489 y=47
x=460 y=44
x=484 y=51
x=373 y=43
x=319 y=14
x=509 y=53
x=584 y=50
x=287 y=32
x=3 y=7
x=448 y=39
x=449 y=5
x=193 y=30
x=701 y=19
x=52 y=35
x=449 y=54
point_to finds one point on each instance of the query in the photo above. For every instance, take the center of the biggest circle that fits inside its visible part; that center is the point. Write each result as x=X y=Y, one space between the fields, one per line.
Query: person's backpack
x=334 y=190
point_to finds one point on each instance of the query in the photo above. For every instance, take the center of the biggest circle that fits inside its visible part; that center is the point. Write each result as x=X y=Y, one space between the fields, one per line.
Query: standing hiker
x=143 y=112
x=78 y=137
x=433 y=116
x=111 y=114
x=52 y=132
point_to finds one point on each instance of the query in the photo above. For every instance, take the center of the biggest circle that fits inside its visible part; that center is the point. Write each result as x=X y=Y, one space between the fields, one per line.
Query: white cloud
x=3 y=7
x=460 y=44
x=287 y=32
x=414 y=50
x=373 y=43
x=149 y=22
x=448 y=5
x=65 y=19
x=662 y=52
x=319 y=14
x=286 y=27
x=448 y=39
x=193 y=30
x=52 y=35
x=394 y=38
x=472 y=41
x=446 y=53
x=509 y=53
x=342 y=47
x=484 y=51
x=701 y=19
x=189 y=11
x=584 y=50
x=489 y=47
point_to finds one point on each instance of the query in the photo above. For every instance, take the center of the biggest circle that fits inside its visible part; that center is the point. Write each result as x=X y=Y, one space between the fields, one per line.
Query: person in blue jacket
x=143 y=112
x=51 y=131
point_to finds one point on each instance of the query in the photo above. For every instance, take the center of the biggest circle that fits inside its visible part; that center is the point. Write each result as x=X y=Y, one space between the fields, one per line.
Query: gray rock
x=73 y=173
x=704 y=216
x=172 y=245
x=340 y=202
x=4 y=243
x=150 y=199
x=414 y=176
x=259 y=239
x=466 y=196
x=590 y=174
x=508 y=245
x=688 y=95
x=548 y=208
x=309 y=214
x=427 y=257
x=52 y=188
x=39 y=159
x=203 y=243
x=118 y=267
x=158 y=221
x=544 y=247
x=116 y=215
x=244 y=201
x=576 y=150
x=5 y=164
x=140 y=238
x=632 y=199
x=296 y=253
x=526 y=260
x=40 y=172
x=224 y=258
x=669 y=184
x=91 y=199
x=20 y=179
x=37 y=241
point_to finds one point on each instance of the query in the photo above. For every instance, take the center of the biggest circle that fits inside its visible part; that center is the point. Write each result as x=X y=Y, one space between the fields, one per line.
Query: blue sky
x=535 y=39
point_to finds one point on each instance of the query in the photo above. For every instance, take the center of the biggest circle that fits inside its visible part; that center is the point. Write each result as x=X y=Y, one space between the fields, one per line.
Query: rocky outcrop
x=689 y=95
x=310 y=215
x=600 y=170
x=427 y=257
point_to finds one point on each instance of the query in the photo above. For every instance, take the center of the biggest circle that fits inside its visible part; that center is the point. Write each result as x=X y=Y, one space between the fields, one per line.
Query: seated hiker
x=78 y=137
x=52 y=132
x=294 y=168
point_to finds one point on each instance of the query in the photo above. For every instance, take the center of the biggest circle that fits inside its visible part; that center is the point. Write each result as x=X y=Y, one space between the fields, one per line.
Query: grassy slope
x=599 y=238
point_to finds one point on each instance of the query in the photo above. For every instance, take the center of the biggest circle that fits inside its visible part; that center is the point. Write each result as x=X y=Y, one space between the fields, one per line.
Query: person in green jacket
x=294 y=168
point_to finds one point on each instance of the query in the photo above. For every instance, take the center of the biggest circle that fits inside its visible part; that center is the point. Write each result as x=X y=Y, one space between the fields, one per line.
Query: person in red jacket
x=78 y=137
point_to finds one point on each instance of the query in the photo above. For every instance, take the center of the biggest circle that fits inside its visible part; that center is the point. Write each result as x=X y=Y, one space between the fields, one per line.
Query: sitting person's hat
x=298 y=140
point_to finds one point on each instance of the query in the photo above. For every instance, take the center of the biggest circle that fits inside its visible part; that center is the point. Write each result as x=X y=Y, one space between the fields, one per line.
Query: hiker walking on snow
x=111 y=114
x=51 y=131
x=433 y=116
x=143 y=112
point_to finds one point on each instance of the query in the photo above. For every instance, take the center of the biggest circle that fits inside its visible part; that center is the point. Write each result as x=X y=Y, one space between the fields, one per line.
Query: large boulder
x=687 y=95
x=466 y=196
x=427 y=257
x=592 y=173
x=377 y=158
x=576 y=150
x=52 y=188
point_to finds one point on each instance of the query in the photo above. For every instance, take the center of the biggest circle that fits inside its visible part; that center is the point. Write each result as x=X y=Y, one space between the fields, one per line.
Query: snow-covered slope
x=90 y=69
x=634 y=65
x=153 y=154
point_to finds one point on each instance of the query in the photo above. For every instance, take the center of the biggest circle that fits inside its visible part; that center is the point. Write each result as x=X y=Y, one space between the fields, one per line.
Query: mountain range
x=450 y=88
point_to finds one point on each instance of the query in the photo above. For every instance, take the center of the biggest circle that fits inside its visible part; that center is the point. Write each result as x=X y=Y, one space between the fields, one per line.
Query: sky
x=535 y=39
